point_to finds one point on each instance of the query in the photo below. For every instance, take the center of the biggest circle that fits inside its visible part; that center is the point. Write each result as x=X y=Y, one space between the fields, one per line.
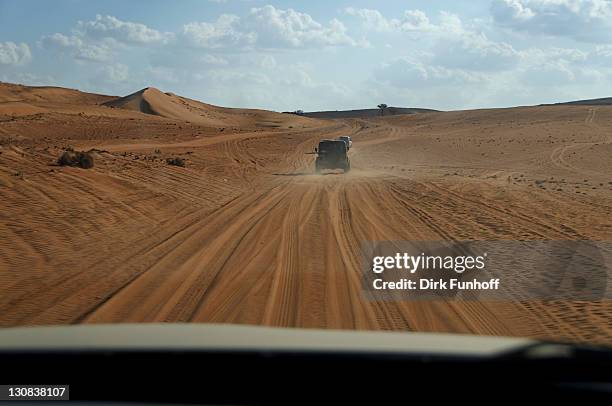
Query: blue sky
x=287 y=55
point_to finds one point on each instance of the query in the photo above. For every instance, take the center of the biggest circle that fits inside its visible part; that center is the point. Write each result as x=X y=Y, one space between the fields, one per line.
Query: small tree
x=382 y=108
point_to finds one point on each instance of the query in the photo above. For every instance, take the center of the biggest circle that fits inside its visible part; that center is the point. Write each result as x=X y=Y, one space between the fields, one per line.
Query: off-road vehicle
x=332 y=154
x=347 y=140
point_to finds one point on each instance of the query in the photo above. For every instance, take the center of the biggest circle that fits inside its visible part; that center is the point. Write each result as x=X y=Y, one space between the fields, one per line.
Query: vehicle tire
x=347 y=166
x=317 y=168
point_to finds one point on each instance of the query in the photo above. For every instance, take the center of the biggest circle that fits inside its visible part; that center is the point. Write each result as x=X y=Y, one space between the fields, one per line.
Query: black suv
x=332 y=154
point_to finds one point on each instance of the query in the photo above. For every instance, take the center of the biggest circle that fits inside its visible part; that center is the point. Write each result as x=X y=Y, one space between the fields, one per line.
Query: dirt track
x=247 y=234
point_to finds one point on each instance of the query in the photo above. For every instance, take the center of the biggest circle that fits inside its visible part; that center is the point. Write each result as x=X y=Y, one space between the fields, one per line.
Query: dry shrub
x=176 y=162
x=80 y=159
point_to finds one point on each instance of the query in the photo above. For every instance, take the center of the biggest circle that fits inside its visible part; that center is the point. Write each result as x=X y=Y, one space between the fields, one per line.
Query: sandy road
x=287 y=253
x=260 y=239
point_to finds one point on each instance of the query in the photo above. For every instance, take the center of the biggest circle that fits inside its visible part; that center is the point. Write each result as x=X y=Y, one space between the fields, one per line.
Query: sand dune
x=168 y=105
x=152 y=101
x=141 y=106
x=246 y=233
x=47 y=95
x=18 y=100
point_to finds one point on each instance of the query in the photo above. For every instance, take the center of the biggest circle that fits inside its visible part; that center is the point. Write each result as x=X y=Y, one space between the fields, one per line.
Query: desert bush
x=176 y=161
x=80 y=159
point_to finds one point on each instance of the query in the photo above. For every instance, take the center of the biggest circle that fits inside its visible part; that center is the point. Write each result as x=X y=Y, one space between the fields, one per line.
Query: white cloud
x=267 y=27
x=112 y=78
x=237 y=78
x=209 y=59
x=278 y=28
x=540 y=56
x=455 y=46
x=372 y=19
x=224 y=32
x=411 y=21
x=163 y=75
x=267 y=62
x=550 y=74
x=122 y=31
x=115 y=73
x=408 y=73
x=299 y=87
x=97 y=40
x=77 y=47
x=474 y=51
x=601 y=57
x=14 y=54
x=582 y=20
x=603 y=51
x=61 y=41
x=511 y=10
x=415 y=20
x=408 y=82
x=252 y=80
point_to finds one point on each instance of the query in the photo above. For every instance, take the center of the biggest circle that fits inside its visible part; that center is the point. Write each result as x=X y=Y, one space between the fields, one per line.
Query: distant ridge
x=604 y=101
x=364 y=113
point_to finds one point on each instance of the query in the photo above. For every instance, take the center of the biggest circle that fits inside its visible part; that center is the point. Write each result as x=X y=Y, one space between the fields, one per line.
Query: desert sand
x=246 y=233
